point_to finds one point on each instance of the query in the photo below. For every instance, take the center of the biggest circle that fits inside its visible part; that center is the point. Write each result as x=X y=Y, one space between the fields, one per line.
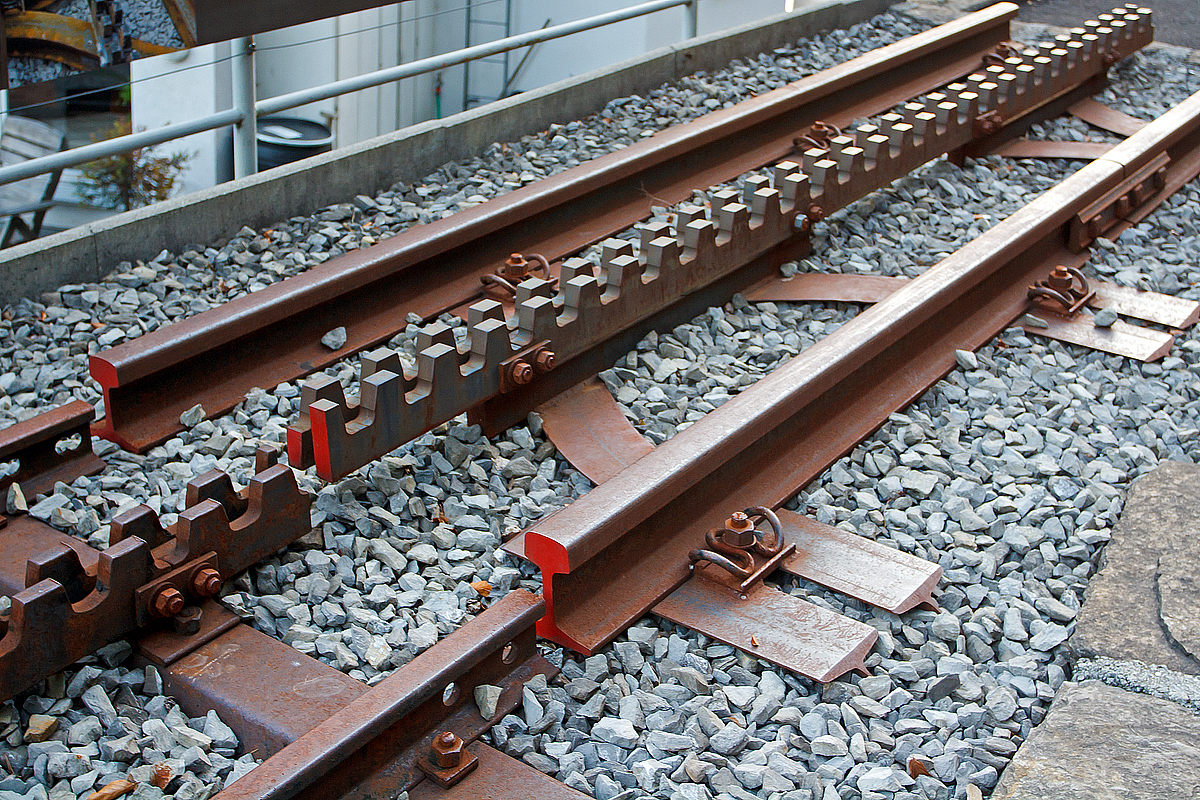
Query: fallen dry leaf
x=162 y=775
x=754 y=641
x=917 y=767
x=482 y=587
x=113 y=790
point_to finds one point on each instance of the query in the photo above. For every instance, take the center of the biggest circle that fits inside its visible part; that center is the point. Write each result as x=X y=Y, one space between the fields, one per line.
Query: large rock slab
x=1101 y=743
x=1143 y=605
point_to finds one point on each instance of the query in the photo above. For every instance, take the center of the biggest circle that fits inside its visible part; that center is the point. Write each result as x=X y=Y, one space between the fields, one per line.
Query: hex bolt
x=739 y=521
x=206 y=582
x=447 y=750
x=522 y=373
x=167 y=602
x=544 y=361
x=1060 y=279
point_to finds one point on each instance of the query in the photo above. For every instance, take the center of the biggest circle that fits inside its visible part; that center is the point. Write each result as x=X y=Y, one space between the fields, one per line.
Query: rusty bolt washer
x=733 y=547
x=206 y=582
x=167 y=602
x=450 y=762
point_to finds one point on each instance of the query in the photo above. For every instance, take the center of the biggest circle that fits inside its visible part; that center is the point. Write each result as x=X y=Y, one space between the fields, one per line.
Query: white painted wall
x=178 y=87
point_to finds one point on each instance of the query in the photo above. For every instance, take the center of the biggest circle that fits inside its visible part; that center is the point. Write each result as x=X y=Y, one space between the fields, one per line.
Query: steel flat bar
x=270 y=693
x=1093 y=112
x=854 y=565
x=370 y=748
x=785 y=630
x=273 y=335
x=35 y=444
x=591 y=432
x=1120 y=338
x=621 y=548
x=1174 y=312
x=1031 y=148
x=809 y=287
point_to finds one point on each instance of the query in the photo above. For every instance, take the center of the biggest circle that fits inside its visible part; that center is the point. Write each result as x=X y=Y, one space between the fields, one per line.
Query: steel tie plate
x=851 y=564
x=591 y=432
x=1121 y=339
x=785 y=630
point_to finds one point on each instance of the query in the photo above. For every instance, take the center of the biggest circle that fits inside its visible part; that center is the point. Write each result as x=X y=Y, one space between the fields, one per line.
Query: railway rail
x=689 y=530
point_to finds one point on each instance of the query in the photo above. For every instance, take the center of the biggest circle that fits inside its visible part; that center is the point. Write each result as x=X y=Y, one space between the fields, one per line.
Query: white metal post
x=691 y=18
x=245 y=133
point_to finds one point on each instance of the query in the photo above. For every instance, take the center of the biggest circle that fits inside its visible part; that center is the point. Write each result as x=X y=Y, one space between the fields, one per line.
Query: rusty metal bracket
x=1064 y=291
x=46 y=451
x=77 y=599
x=376 y=745
x=526 y=365
x=1144 y=186
x=71 y=41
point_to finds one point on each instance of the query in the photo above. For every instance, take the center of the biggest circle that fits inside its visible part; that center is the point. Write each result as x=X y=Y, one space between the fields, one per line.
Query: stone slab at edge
x=1103 y=743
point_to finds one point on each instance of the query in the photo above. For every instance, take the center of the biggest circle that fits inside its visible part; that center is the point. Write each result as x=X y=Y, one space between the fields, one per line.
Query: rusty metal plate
x=164 y=647
x=498 y=777
x=1174 y=312
x=851 y=564
x=34 y=443
x=273 y=335
x=1093 y=112
x=24 y=538
x=589 y=429
x=371 y=748
x=1121 y=339
x=270 y=694
x=1031 y=148
x=785 y=630
x=823 y=287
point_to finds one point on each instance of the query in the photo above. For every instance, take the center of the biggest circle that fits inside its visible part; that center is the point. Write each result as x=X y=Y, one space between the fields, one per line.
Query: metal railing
x=246 y=110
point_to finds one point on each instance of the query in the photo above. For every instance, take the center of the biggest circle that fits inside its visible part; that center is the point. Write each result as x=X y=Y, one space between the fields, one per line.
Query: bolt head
x=167 y=602
x=447 y=750
x=544 y=361
x=522 y=373
x=206 y=582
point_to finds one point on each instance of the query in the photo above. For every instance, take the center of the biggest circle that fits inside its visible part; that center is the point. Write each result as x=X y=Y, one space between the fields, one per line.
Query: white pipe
x=121 y=144
x=691 y=19
x=245 y=133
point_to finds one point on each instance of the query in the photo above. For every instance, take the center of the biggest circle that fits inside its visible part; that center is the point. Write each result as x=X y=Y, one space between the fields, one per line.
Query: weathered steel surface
x=621 y=548
x=785 y=630
x=1096 y=113
x=35 y=444
x=269 y=693
x=68 y=40
x=1120 y=338
x=370 y=748
x=676 y=261
x=72 y=605
x=1174 y=312
x=498 y=777
x=825 y=287
x=1032 y=148
x=591 y=432
x=274 y=335
x=854 y=565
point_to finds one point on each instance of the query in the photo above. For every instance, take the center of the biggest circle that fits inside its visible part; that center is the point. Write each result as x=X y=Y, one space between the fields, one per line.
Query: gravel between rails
x=1008 y=473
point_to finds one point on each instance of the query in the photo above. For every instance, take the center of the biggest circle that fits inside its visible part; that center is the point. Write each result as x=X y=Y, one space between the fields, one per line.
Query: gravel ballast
x=1009 y=473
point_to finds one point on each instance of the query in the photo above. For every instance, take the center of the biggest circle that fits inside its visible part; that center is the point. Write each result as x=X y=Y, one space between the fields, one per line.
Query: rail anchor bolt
x=449 y=761
x=544 y=361
x=166 y=602
x=206 y=582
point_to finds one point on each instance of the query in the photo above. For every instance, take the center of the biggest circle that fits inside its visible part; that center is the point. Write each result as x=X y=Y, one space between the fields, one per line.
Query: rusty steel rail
x=389 y=739
x=51 y=447
x=622 y=548
x=69 y=599
x=273 y=335
x=680 y=261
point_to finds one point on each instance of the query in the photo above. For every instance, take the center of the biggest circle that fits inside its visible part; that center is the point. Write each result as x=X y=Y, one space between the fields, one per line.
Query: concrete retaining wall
x=89 y=252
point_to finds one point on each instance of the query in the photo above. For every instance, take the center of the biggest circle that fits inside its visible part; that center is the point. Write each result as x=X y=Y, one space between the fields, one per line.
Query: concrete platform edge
x=89 y=252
